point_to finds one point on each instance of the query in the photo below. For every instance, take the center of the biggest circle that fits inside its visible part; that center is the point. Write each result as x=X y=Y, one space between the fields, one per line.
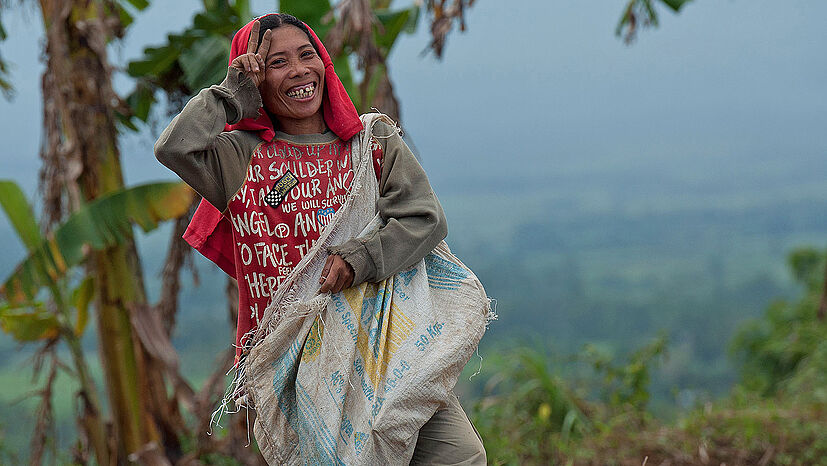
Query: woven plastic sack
x=350 y=378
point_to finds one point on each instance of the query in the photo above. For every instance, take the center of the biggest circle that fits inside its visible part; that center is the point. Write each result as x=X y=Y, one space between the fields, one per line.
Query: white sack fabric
x=350 y=378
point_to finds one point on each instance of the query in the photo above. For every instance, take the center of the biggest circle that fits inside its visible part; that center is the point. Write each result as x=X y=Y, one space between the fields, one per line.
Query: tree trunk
x=82 y=100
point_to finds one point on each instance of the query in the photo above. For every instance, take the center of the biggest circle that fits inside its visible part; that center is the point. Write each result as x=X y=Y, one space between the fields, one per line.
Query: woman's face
x=294 y=80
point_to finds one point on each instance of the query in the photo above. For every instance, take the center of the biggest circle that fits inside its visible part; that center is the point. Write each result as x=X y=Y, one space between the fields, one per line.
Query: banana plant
x=98 y=225
x=190 y=60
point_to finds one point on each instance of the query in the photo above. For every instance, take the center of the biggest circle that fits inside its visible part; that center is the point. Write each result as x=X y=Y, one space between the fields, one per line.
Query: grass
x=519 y=425
x=737 y=431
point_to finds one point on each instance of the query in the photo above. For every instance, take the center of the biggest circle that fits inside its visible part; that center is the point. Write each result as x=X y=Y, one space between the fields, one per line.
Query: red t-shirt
x=289 y=195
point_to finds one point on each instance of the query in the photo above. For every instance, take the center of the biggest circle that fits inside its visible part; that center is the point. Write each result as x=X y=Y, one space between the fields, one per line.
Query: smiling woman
x=274 y=151
x=288 y=70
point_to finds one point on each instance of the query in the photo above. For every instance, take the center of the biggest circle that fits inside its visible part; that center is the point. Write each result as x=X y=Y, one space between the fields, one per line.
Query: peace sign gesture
x=252 y=62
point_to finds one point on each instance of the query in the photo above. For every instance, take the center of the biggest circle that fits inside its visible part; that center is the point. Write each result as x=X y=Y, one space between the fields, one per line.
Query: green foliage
x=32 y=323
x=675 y=4
x=807 y=267
x=204 y=63
x=773 y=347
x=107 y=221
x=626 y=386
x=642 y=12
x=777 y=417
x=81 y=298
x=191 y=60
x=98 y=225
x=809 y=382
x=127 y=9
x=527 y=413
x=140 y=101
x=519 y=426
x=738 y=430
x=782 y=430
x=312 y=12
x=395 y=22
x=20 y=214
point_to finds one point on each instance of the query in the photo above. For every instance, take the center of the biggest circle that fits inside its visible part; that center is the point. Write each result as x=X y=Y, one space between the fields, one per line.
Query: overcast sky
x=545 y=88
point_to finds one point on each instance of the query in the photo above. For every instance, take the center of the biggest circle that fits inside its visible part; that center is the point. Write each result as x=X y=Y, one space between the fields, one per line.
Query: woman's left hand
x=337 y=275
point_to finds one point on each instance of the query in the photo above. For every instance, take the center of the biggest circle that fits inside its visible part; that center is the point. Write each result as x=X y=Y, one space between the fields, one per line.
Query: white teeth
x=302 y=92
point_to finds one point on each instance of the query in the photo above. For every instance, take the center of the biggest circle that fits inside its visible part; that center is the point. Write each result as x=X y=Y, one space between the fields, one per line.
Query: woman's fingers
x=264 y=48
x=251 y=64
x=326 y=269
x=252 y=42
x=336 y=275
x=337 y=287
x=329 y=281
x=345 y=279
x=347 y=276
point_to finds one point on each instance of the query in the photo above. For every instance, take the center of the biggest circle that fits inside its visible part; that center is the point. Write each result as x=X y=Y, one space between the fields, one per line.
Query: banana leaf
x=105 y=222
x=81 y=297
x=20 y=213
x=309 y=11
x=394 y=23
x=675 y=4
x=30 y=324
x=205 y=62
x=127 y=9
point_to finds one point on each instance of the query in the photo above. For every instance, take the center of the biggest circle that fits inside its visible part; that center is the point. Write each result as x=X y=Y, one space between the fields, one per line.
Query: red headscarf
x=209 y=232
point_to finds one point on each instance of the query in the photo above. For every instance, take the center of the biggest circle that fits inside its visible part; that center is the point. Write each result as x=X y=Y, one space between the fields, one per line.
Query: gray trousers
x=449 y=438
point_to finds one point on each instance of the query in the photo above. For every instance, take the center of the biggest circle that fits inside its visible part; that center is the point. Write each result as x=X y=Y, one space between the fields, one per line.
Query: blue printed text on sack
x=432 y=332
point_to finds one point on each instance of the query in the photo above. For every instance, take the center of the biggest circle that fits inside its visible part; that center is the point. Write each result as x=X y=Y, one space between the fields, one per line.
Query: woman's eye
x=307 y=53
x=278 y=61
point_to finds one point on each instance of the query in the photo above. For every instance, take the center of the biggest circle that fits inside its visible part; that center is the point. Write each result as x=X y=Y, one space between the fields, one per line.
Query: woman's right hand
x=252 y=62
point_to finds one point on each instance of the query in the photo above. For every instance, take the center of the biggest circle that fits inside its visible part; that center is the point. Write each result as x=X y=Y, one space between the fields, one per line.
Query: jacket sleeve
x=195 y=147
x=414 y=220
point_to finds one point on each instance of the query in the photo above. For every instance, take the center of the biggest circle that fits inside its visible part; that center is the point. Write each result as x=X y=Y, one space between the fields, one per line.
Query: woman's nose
x=299 y=69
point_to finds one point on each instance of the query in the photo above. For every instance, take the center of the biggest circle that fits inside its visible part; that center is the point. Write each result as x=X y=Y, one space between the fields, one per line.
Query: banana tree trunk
x=82 y=142
x=120 y=353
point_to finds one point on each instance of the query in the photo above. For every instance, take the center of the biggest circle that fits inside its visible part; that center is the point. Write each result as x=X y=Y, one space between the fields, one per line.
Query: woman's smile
x=302 y=92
